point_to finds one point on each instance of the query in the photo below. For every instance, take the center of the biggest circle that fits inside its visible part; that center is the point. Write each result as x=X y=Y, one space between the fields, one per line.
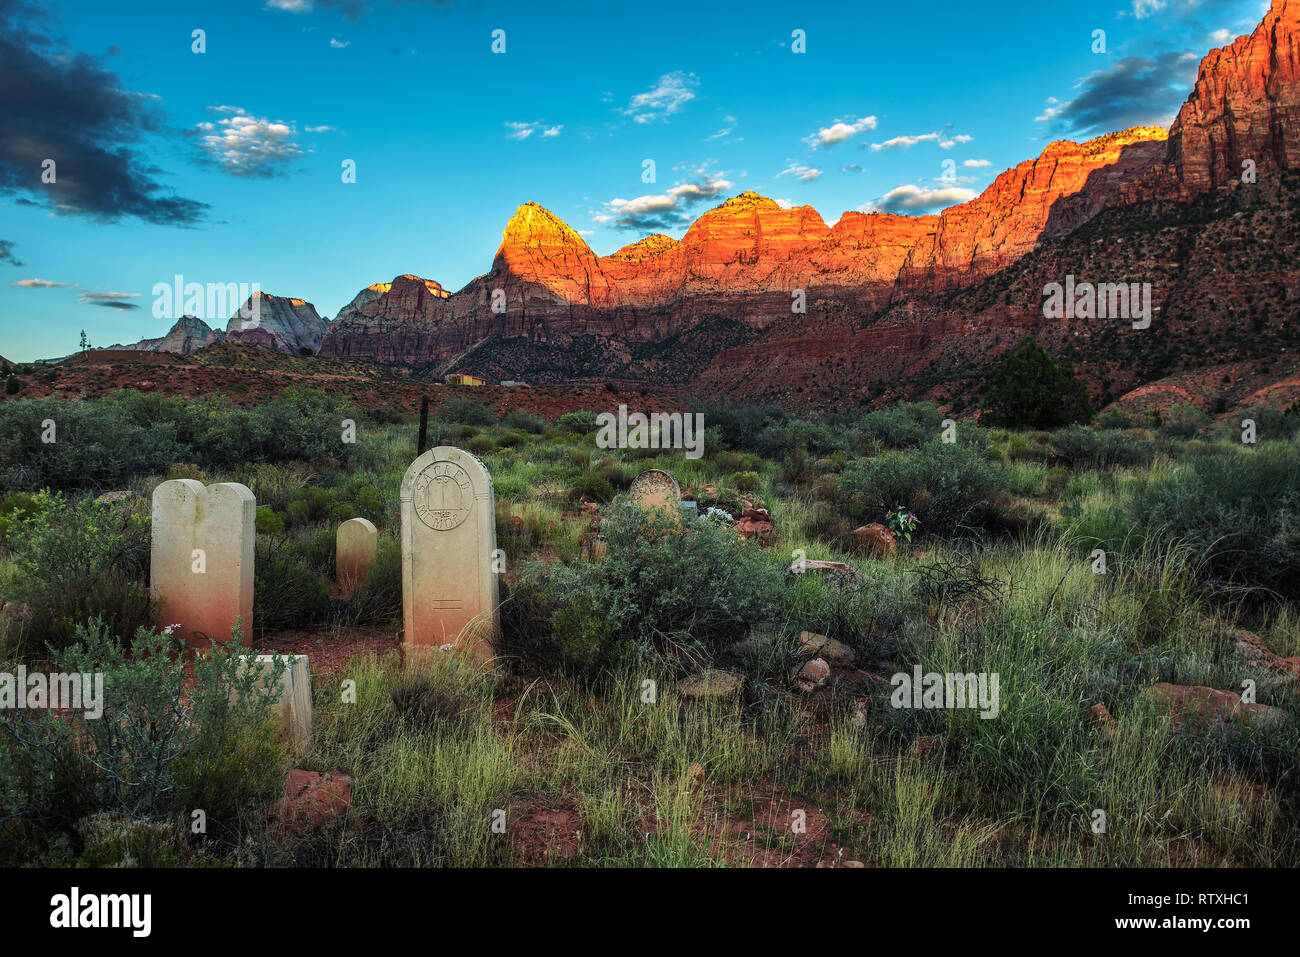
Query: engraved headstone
x=658 y=491
x=449 y=587
x=354 y=552
x=201 y=557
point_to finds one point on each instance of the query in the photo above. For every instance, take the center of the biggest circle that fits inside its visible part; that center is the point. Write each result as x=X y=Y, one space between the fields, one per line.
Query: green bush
x=579 y=422
x=101 y=443
x=745 y=481
x=1239 y=516
x=949 y=487
x=1083 y=447
x=465 y=411
x=907 y=425
x=164 y=743
x=524 y=420
x=73 y=561
x=289 y=589
x=660 y=581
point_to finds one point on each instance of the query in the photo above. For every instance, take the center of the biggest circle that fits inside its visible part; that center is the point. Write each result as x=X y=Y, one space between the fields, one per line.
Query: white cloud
x=1221 y=37
x=669 y=94
x=521 y=131
x=1145 y=8
x=40 y=284
x=909 y=198
x=340 y=44
x=290 y=6
x=800 y=172
x=839 y=131
x=907 y=142
x=725 y=131
x=976 y=164
x=245 y=145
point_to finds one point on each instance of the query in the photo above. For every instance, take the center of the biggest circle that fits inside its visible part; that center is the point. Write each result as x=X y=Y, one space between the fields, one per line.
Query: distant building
x=514 y=382
x=463 y=378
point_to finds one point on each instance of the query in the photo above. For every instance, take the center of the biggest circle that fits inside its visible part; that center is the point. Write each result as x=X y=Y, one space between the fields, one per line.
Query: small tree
x=1032 y=391
x=84 y=344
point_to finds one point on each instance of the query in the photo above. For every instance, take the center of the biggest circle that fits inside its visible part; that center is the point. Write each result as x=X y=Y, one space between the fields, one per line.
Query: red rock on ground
x=1200 y=705
x=311 y=799
x=875 y=539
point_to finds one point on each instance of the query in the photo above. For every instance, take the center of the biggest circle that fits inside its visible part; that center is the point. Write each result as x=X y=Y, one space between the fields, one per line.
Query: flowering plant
x=902 y=523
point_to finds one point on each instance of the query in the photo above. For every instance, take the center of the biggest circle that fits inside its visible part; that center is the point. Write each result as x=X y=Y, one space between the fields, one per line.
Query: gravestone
x=201 y=557
x=657 y=491
x=449 y=586
x=292 y=702
x=655 y=487
x=354 y=552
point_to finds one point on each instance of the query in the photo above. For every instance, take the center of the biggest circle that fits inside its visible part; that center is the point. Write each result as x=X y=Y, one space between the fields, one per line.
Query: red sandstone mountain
x=894 y=302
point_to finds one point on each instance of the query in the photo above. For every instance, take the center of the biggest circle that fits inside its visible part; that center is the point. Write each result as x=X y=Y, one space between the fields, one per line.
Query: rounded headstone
x=655 y=487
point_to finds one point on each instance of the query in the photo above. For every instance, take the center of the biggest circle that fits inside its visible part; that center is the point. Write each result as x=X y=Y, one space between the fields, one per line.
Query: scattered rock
x=875 y=539
x=811 y=675
x=711 y=684
x=311 y=800
x=836 y=653
x=751 y=528
x=1100 y=715
x=1200 y=707
x=831 y=568
x=696 y=771
x=852 y=864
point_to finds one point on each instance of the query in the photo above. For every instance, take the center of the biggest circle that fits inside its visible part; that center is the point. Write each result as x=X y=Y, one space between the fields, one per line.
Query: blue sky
x=225 y=166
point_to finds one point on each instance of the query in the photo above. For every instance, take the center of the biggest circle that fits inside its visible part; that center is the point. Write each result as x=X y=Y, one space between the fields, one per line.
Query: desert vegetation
x=994 y=570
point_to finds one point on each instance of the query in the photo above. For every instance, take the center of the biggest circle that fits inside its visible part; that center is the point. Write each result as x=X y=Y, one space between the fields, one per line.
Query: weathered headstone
x=654 y=488
x=201 y=557
x=292 y=704
x=354 y=552
x=449 y=586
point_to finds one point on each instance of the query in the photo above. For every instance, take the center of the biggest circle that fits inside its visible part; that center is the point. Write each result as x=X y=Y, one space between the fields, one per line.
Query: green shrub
x=907 y=425
x=162 y=745
x=1083 y=447
x=289 y=591
x=659 y=581
x=1239 y=515
x=480 y=444
x=524 y=420
x=745 y=481
x=73 y=561
x=11 y=384
x=949 y=487
x=579 y=422
x=593 y=486
x=465 y=411
x=1183 y=421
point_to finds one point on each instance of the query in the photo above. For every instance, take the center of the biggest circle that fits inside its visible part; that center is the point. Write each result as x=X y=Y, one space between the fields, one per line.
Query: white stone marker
x=292 y=705
x=354 y=552
x=201 y=557
x=449 y=590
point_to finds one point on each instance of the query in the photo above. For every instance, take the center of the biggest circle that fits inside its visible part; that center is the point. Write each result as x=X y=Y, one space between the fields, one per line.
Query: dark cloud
x=111 y=304
x=662 y=211
x=1135 y=91
x=68 y=108
x=7 y=253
